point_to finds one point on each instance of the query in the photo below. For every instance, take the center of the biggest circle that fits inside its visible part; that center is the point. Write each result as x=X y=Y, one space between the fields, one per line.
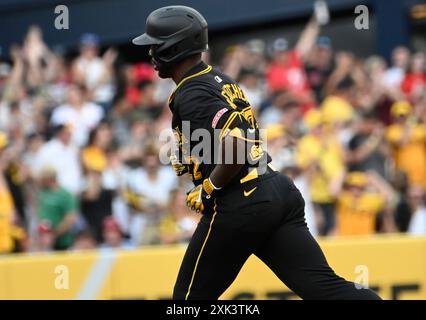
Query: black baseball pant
x=264 y=217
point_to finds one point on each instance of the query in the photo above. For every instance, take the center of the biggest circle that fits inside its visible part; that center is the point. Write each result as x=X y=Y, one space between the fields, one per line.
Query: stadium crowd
x=79 y=141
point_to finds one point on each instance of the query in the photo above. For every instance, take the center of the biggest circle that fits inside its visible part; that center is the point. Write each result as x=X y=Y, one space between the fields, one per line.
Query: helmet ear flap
x=172 y=53
x=167 y=54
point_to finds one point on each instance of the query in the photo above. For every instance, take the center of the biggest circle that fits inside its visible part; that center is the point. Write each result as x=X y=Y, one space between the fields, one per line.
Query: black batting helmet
x=174 y=32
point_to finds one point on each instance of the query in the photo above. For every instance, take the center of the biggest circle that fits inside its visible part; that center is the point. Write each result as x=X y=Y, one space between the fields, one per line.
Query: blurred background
x=81 y=110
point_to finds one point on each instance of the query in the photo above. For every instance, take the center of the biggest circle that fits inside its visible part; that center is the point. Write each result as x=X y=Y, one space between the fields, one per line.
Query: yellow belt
x=254 y=173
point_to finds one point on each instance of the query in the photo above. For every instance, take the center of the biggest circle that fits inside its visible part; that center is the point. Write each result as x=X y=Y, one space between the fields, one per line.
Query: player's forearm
x=229 y=165
x=224 y=173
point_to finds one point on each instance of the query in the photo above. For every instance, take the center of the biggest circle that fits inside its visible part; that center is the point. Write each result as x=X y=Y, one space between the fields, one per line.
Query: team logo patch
x=218 y=115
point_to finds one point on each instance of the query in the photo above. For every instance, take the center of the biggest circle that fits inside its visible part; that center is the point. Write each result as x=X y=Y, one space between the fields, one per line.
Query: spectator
x=7 y=209
x=81 y=116
x=342 y=75
x=372 y=90
x=136 y=139
x=279 y=145
x=60 y=154
x=366 y=149
x=179 y=224
x=417 y=225
x=410 y=213
x=337 y=108
x=16 y=176
x=152 y=196
x=284 y=111
x=95 y=155
x=286 y=71
x=396 y=73
x=300 y=179
x=96 y=202
x=407 y=140
x=320 y=154
x=112 y=235
x=56 y=207
x=34 y=59
x=319 y=66
x=147 y=106
x=255 y=59
x=59 y=79
x=34 y=143
x=364 y=196
x=19 y=113
x=414 y=83
x=250 y=83
x=94 y=72
x=84 y=240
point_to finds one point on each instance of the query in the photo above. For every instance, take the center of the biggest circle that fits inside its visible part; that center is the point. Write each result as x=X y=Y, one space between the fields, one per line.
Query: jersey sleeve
x=198 y=106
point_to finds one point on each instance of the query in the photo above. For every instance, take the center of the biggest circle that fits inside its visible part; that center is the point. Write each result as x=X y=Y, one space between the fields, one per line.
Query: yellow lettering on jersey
x=232 y=92
x=256 y=152
x=249 y=116
x=179 y=138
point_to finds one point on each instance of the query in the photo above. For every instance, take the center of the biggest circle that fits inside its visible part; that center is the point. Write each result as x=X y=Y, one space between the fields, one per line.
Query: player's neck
x=182 y=68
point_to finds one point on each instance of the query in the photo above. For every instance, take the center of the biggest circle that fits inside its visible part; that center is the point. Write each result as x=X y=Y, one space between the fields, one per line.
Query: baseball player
x=247 y=207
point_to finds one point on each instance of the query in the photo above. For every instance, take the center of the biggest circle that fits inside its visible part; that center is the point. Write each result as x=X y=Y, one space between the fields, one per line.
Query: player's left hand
x=179 y=168
x=201 y=197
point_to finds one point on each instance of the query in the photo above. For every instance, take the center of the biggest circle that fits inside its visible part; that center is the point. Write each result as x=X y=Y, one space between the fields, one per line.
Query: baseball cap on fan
x=256 y=46
x=45 y=226
x=89 y=39
x=324 y=42
x=280 y=45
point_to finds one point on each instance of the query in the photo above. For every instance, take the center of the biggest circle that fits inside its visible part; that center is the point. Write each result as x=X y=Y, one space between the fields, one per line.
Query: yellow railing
x=394 y=265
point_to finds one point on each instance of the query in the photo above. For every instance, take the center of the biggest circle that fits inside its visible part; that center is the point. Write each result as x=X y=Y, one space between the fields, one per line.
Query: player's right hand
x=201 y=198
x=179 y=167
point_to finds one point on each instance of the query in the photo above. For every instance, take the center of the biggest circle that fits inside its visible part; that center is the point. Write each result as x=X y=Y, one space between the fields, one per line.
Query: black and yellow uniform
x=259 y=212
x=209 y=100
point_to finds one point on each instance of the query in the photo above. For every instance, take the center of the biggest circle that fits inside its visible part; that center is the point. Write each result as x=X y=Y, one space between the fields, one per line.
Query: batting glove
x=201 y=198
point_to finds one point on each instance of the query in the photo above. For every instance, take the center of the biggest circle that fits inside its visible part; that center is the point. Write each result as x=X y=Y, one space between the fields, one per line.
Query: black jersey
x=207 y=105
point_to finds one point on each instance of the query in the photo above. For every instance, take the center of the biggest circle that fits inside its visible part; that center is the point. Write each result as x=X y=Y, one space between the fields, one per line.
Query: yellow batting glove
x=201 y=197
x=193 y=200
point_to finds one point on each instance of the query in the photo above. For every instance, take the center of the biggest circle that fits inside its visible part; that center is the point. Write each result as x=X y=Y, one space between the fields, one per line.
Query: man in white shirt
x=60 y=154
x=93 y=71
x=80 y=115
x=395 y=74
x=154 y=184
